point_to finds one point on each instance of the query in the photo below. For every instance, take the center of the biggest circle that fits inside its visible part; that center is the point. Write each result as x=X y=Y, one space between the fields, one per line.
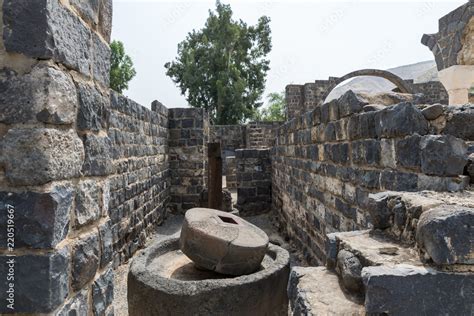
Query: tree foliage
x=222 y=67
x=121 y=67
x=274 y=110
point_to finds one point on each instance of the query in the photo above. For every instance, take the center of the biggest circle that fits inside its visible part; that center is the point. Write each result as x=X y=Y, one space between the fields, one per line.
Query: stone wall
x=189 y=135
x=139 y=181
x=261 y=134
x=303 y=98
x=230 y=172
x=84 y=171
x=327 y=161
x=253 y=181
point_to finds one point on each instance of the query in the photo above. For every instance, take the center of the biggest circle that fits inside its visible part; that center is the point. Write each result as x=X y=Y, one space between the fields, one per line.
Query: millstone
x=222 y=242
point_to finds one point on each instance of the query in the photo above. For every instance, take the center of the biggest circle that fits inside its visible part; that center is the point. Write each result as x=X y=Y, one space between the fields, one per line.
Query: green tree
x=275 y=110
x=222 y=67
x=121 y=67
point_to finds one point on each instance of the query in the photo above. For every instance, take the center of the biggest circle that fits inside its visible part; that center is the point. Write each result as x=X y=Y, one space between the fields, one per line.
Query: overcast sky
x=311 y=39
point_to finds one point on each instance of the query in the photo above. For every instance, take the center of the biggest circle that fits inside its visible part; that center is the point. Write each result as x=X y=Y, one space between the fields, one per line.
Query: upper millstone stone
x=222 y=242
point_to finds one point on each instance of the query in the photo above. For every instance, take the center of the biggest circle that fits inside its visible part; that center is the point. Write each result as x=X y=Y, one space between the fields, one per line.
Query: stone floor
x=172 y=226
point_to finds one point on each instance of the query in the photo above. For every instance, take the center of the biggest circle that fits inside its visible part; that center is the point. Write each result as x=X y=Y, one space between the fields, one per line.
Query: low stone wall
x=231 y=172
x=327 y=161
x=189 y=135
x=253 y=181
x=261 y=134
x=304 y=98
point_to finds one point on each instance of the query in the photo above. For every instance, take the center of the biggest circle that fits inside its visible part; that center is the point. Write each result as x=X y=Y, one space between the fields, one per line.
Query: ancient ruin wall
x=303 y=98
x=254 y=181
x=83 y=171
x=326 y=162
x=189 y=135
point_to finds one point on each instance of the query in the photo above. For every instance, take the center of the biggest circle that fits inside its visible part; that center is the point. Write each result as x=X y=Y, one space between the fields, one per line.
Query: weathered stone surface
x=56 y=33
x=98 y=161
x=349 y=268
x=350 y=103
x=105 y=18
x=38 y=156
x=316 y=291
x=162 y=280
x=432 y=112
x=44 y=95
x=408 y=152
x=88 y=9
x=92 y=114
x=445 y=234
x=374 y=107
x=101 y=63
x=378 y=210
x=41 y=281
x=410 y=290
x=88 y=197
x=85 y=260
x=400 y=120
x=461 y=122
x=78 y=305
x=41 y=219
x=103 y=292
x=221 y=242
x=443 y=155
x=106 y=243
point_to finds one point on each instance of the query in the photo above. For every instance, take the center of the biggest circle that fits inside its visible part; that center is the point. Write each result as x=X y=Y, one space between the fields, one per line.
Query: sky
x=311 y=39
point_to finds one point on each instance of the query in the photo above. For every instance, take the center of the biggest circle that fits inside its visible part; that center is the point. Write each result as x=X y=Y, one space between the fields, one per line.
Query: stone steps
x=369 y=272
x=316 y=291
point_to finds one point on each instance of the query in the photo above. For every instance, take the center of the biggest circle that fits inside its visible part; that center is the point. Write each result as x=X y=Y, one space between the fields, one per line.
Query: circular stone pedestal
x=163 y=281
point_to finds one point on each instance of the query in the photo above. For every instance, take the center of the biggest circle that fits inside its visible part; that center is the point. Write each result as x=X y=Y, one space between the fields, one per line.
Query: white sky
x=311 y=39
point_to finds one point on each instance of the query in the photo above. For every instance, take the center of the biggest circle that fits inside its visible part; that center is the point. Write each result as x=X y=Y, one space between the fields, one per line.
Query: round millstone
x=222 y=242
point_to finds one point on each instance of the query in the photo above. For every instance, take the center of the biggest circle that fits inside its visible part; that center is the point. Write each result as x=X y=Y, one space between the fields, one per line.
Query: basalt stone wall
x=433 y=92
x=231 y=137
x=303 y=98
x=139 y=182
x=261 y=134
x=188 y=139
x=254 y=180
x=84 y=172
x=327 y=161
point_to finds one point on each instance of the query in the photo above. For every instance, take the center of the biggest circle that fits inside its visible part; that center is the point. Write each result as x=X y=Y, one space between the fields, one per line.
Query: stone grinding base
x=163 y=281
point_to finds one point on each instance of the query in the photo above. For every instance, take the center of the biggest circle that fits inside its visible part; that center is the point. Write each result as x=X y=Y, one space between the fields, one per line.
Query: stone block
x=93 y=108
x=40 y=281
x=105 y=18
x=445 y=234
x=101 y=62
x=350 y=103
x=38 y=156
x=408 y=152
x=410 y=290
x=78 y=305
x=98 y=161
x=88 y=9
x=349 y=268
x=378 y=210
x=443 y=155
x=103 y=292
x=400 y=120
x=85 y=260
x=432 y=112
x=44 y=95
x=106 y=243
x=41 y=219
x=88 y=198
x=45 y=29
x=461 y=122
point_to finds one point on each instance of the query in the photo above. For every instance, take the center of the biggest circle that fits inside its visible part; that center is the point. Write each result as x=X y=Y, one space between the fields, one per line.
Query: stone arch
x=402 y=86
